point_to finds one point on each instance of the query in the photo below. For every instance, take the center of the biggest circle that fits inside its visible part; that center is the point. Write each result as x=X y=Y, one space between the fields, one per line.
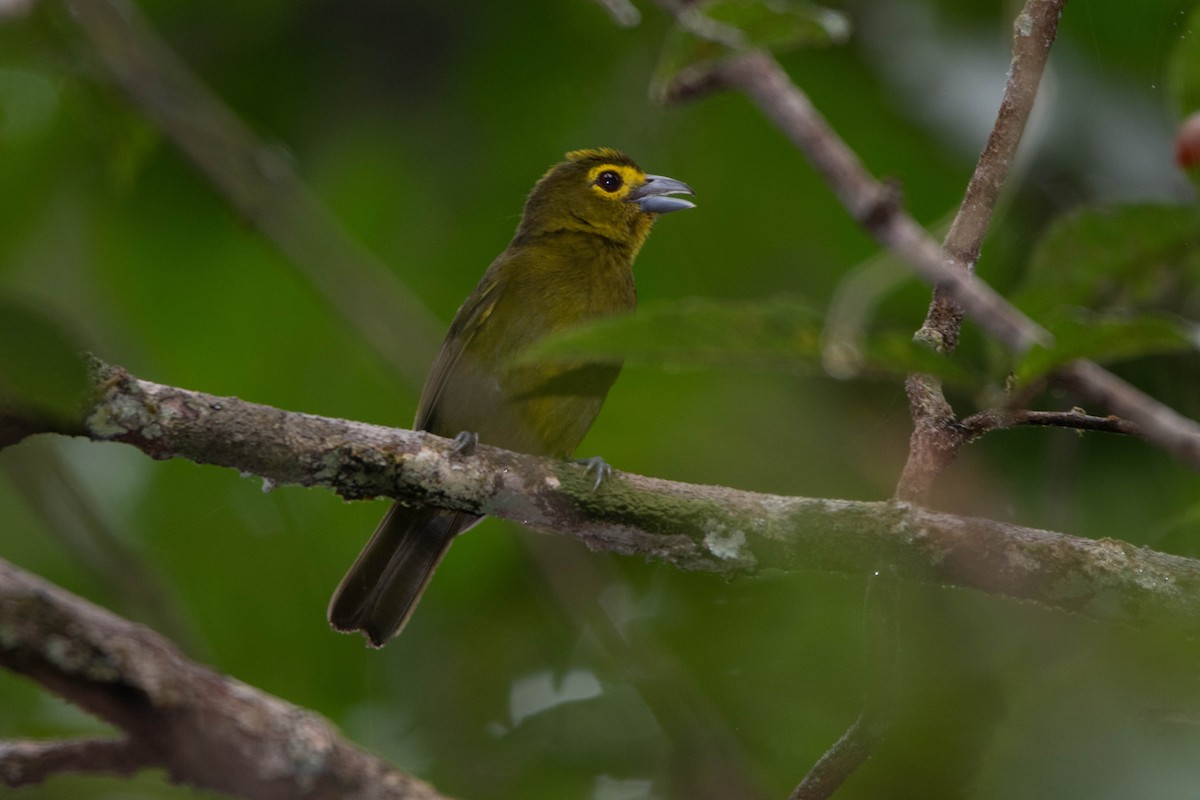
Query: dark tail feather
x=380 y=591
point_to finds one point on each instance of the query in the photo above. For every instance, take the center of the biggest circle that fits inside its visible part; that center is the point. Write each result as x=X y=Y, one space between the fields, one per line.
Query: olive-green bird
x=570 y=260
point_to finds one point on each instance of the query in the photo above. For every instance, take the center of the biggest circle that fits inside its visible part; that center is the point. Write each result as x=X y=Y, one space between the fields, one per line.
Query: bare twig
x=873 y=204
x=27 y=763
x=1158 y=423
x=207 y=730
x=977 y=425
x=839 y=762
x=1034 y=32
x=857 y=744
x=935 y=441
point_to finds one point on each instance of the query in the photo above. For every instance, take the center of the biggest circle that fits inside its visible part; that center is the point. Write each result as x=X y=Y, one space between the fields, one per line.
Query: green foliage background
x=422 y=125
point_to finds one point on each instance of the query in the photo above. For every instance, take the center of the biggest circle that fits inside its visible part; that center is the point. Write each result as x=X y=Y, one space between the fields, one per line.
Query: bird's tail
x=380 y=591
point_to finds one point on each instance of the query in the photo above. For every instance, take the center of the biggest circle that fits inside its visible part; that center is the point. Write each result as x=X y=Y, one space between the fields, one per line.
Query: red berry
x=1187 y=142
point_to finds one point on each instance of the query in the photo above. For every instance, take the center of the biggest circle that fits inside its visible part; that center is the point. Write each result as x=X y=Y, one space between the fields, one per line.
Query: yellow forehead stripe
x=631 y=178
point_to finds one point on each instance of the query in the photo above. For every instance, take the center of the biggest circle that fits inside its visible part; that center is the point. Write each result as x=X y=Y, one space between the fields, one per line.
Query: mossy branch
x=714 y=529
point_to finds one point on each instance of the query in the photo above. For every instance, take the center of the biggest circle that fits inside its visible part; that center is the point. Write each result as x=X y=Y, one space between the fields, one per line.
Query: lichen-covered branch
x=186 y=718
x=206 y=729
x=708 y=528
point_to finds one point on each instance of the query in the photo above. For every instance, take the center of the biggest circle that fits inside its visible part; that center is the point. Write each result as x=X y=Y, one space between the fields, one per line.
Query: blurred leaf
x=708 y=31
x=28 y=104
x=1106 y=339
x=782 y=333
x=1183 y=71
x=40 y=368
x=898 y=354
x=1139 y=257
x=779 y=24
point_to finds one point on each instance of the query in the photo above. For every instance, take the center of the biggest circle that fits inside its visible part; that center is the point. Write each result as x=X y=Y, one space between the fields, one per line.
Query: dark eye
x=609 y=181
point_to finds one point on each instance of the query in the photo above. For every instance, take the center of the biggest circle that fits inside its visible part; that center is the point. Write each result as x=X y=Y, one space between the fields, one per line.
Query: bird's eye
x=609 y=181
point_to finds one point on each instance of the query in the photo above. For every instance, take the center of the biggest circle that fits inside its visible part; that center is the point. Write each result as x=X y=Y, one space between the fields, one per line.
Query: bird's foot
x=465 y=443
x=597 y=466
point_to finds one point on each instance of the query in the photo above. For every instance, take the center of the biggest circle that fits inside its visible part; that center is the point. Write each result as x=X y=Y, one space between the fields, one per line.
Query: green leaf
x=778 y=334
x=1107 y=338
x=41 y=370
x=712 y=30
x=1133 y=257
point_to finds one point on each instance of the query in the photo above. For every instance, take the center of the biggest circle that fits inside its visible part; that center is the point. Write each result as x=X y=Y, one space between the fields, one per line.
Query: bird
x=569 y=261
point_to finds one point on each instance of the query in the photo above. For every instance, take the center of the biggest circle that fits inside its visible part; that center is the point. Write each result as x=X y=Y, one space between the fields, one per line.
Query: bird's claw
x=602 y=469
x=465 y=443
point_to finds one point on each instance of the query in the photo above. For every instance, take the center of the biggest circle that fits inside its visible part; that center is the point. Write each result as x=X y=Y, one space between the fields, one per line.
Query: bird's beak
x=652 y=196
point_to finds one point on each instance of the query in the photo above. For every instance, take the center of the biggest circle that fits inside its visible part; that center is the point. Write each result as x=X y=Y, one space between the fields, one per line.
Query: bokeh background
x=534 y=668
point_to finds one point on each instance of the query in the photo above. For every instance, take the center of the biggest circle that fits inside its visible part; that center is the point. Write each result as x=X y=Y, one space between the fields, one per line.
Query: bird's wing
x=467 y=322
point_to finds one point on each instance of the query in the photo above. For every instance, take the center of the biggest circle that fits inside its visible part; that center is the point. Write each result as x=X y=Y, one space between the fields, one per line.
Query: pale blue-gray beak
x=652 y=196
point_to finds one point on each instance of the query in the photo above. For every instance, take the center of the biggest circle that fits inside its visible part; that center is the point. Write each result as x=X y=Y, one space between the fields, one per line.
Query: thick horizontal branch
x=708 y=528
x=206 y=729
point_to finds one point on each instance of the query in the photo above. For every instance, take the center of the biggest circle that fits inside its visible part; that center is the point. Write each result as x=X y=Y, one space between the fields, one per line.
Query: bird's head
x=603 y=192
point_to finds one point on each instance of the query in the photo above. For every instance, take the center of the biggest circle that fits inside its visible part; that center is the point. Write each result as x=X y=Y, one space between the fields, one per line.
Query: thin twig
x=1034 y=32
x=1158 y=423
x=839 y=762
x=977 y=425
x=26 y=763
x=858 y=743
x=875 y=205
x=935 y=441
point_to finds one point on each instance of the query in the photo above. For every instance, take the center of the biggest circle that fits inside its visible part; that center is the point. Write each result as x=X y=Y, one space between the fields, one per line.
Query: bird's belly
x=531 y=410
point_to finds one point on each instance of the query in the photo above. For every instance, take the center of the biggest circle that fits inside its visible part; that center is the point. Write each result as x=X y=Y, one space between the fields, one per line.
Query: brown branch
x=935 y=439
x=707 y=528
x=858 y=743
x=977 y=425
x=938 y=435
x=839 y=762
x=26 y=763
x=207 y=730
x=875 y=205
x=1034 y=32
x=1158 y=423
